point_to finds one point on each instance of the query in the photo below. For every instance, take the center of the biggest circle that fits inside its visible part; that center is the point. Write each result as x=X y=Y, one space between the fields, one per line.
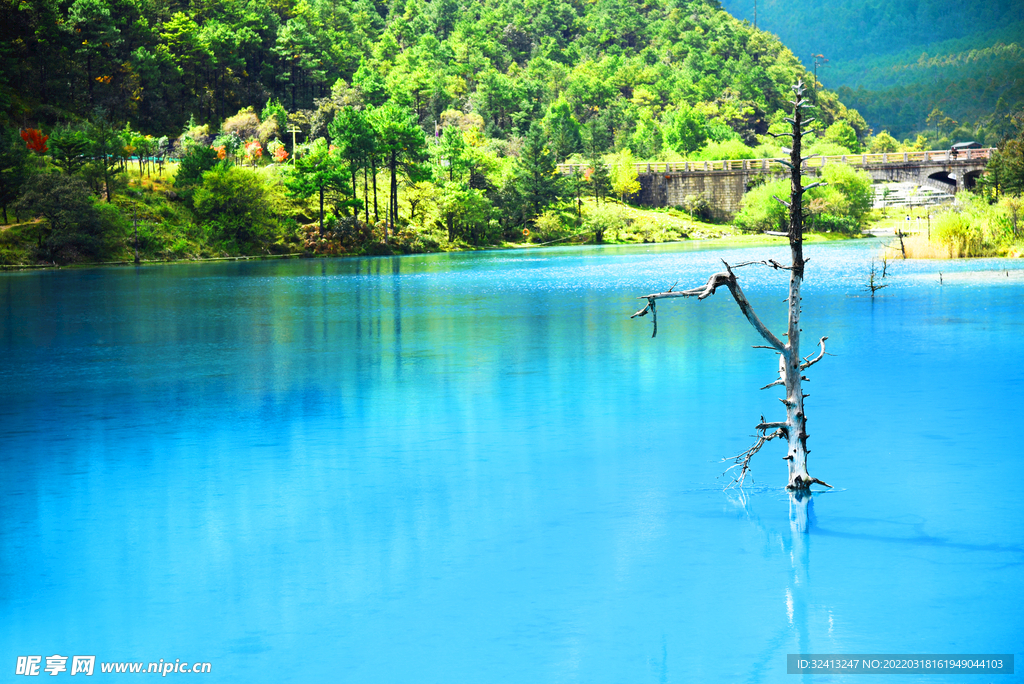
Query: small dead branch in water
x=872 y=285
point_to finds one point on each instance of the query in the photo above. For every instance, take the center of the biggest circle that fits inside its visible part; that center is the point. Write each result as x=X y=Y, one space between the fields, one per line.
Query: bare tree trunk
x=791 y=364
x=393 y=199
x=355 y=196
x=797 y=455
x=373 y=173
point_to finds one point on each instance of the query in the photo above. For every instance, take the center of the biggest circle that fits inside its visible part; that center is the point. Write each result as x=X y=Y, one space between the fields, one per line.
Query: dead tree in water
x=791 y=365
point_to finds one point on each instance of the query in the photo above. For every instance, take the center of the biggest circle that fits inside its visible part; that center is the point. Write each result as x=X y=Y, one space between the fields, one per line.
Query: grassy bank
x=165 y=224
x=969 y=227
x=166 y=235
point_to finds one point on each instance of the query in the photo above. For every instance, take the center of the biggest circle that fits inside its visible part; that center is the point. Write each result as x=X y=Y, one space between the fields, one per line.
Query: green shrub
x=827 y=148
x=1013 y=208
x=378 y=249
x=237 y=206
x=551 y=225
x=853 y=185
x=74 y=226
x=841 y=204
x=604 y=218
x=727 y=149
x=196 y=161
x=842 y=135
x=958 y=234
x=760 y=211
x=833 y=223
x=180 y=247
x=697 y=206
x=768 y=151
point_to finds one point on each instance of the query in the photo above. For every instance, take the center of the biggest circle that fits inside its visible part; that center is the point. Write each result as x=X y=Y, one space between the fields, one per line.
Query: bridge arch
x=971 y=178
x=944 y=178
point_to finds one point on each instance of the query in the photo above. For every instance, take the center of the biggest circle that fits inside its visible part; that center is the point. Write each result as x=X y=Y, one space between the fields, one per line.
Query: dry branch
x=765 y=262
x=728 y=279
x=807 y=364
x=742 y=461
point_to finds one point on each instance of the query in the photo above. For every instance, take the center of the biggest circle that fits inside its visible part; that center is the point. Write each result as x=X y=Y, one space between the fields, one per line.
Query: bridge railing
x=773 y=165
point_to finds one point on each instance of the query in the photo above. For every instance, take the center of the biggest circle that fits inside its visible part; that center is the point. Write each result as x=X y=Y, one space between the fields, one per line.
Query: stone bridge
x=724 y=182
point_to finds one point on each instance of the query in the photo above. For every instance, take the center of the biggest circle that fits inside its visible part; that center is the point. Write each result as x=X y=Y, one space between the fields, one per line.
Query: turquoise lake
x=476 y=468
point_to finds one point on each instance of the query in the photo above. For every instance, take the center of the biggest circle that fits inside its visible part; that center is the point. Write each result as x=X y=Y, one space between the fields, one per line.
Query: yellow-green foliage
x=970 y=227
x=615 y=222
x=238 y=205
x=761 y=211
x=1013 y=209
x=994 y=222
x=842 y=134
x=883 y=142
x=624 y=177
x=850 y=187
x=605 y=220
x=826 y=148
x=245 y=124
x=958 y=234
x=844 y=200
x=726 y=149
x=550 y=225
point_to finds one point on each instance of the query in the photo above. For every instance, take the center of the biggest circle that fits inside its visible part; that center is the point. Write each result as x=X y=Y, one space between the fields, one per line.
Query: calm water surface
x=476 y=468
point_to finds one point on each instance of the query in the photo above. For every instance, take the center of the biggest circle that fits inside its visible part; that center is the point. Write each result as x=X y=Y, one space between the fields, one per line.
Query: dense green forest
x=156 y=64
x=351 y=126
x=897 y=61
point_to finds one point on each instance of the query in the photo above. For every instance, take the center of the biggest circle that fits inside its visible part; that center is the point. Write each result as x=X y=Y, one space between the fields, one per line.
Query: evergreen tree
x=563 y=131
x=355 y=138
x=72 y=228
x=14 y=167
x=69 y=149
x=198 y=160
x=537 y=177
x=452 y=163
x=106 y=150
x=403 y=148
x=600 y=180
x=318 y=172
x=1004 y=173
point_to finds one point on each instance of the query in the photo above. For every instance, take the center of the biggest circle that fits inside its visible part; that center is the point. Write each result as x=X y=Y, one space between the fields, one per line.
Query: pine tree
x=536 y=175
x=318 y=172
x=600 y=180
x=403 y=147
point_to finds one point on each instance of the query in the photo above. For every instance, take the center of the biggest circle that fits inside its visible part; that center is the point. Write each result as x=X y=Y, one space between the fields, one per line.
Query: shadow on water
x=920 y=539
x=917 y=538
x=802 y=610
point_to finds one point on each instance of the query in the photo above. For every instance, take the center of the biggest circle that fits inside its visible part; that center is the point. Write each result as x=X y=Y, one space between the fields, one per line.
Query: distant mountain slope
x=896 y=61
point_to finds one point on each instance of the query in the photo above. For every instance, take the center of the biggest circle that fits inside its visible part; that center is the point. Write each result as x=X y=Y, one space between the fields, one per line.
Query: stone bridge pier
x=723 y=189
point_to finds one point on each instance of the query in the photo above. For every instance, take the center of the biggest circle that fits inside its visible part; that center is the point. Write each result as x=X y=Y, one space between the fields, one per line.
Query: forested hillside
x=155 y=64
x=415 y=121
x=897 y=61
